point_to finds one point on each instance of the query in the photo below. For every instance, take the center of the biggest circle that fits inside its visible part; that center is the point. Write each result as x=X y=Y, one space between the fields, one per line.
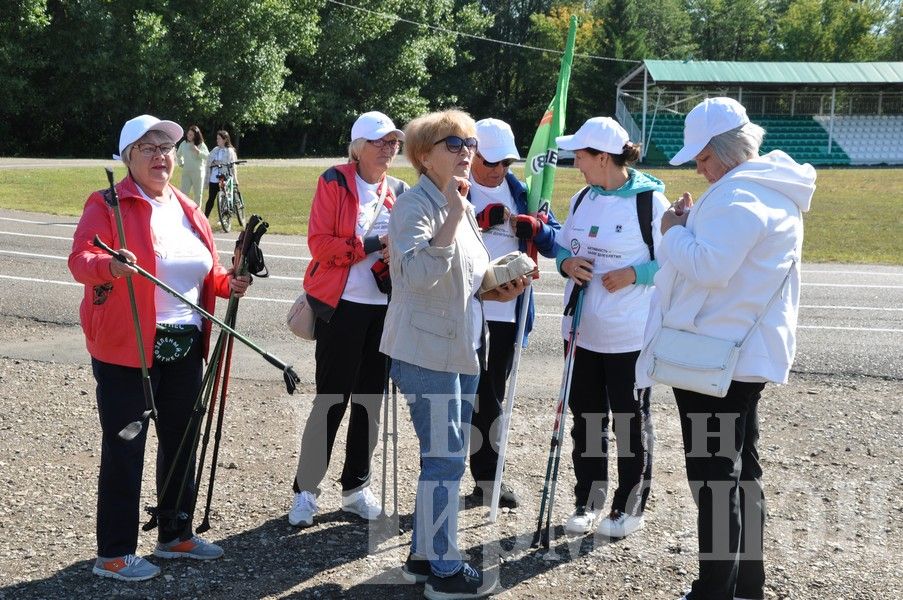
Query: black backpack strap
x=644 y=214
x=583 y=193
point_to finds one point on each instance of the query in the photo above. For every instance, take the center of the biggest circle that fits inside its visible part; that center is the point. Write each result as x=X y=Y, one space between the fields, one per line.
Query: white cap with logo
x=496 y=140
x=711 y=117
x=374 y=125
x=134 y=130
x=599 y=133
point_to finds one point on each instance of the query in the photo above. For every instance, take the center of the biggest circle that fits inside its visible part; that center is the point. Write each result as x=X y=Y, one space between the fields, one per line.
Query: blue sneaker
x=125 y=568
x=194 y=547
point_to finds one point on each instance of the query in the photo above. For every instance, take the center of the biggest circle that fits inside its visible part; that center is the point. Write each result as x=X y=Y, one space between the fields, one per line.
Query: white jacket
x=718 y=273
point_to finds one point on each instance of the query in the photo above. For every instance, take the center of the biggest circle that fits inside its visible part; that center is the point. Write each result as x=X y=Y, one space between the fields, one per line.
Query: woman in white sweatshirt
x=721 y=261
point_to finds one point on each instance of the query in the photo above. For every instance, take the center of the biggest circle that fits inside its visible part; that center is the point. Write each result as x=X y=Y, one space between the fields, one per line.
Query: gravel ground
x=830 y=448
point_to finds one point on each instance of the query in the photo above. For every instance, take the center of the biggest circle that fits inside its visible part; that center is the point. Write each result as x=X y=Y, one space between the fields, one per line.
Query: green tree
x=730 y=29
x=894 y=36
x=370 y=60
x=103 y=62
x=829 y=30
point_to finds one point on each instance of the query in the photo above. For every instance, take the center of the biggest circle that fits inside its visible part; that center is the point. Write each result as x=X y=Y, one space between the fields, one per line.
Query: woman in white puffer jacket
x=721 y=261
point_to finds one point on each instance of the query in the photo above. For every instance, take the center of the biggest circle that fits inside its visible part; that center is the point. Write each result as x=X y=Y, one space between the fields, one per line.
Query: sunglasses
x=455 y=143
x=491 y=165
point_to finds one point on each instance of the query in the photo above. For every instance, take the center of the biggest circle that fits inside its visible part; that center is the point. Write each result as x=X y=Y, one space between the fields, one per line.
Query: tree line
x=288 y=77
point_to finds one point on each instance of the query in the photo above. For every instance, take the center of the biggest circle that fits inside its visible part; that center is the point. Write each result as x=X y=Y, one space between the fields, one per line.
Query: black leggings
x=213 y=190
x=604 y=383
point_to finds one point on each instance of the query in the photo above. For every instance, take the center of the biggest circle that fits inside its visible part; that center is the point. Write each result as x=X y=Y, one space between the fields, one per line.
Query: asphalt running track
x=851 y=319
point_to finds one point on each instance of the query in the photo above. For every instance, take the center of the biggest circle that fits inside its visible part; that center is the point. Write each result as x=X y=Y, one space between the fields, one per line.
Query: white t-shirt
x=606 y=231
x=183 y=261
x=361 y=286
x=221 y=155
x=471 y=245
x=500 y=240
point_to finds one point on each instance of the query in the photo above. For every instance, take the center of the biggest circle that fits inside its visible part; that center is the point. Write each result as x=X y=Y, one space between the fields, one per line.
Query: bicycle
x=228 y=199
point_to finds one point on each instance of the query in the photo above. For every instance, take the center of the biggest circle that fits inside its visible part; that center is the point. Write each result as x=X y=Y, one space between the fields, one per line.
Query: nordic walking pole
x=205 y=524
x=395 y=450
x=541 y=535
x=382 y=513
x=288 y=373
x=508 y=409
x=131 y=431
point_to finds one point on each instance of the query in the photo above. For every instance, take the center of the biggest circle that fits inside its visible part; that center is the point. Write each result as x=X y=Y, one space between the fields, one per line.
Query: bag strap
x=644 y=214
x=583 y=193
x=379 y=206
x=774 y=297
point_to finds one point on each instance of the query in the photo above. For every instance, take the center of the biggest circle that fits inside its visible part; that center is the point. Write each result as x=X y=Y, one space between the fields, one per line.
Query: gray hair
x=355 y=148
x=737 y=145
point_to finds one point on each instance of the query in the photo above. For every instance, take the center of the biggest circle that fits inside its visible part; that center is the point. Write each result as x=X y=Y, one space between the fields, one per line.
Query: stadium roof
x=715 y=72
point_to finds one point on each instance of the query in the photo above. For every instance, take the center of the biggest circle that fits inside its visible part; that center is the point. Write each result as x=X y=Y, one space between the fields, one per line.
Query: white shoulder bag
x=700 y=363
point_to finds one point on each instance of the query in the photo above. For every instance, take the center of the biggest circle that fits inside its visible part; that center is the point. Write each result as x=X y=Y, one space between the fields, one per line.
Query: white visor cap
x=709 y=118
x=495 y=140
x=599 y=133
x=374 y=125
x=134 y=130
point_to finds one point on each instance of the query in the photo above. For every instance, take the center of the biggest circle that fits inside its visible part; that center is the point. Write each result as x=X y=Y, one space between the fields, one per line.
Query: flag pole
x=539 y=169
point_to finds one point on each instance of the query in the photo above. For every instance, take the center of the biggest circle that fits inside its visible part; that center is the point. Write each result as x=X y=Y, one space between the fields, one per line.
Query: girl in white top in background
x=222 y=154
x=602 y=247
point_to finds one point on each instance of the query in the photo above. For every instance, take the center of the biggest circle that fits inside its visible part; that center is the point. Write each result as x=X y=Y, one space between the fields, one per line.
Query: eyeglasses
x=152 y=149
x=491 y=165
x=381 y=143
x=455 y=143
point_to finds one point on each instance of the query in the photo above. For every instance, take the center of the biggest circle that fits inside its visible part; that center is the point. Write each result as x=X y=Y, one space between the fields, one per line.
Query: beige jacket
x=428 y=322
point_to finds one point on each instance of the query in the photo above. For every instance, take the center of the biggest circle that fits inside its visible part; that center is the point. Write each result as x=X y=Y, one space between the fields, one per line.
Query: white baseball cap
x=711 y=117
x=598 y=133
x=374 y=125
x=134 y=130
x=495 y=140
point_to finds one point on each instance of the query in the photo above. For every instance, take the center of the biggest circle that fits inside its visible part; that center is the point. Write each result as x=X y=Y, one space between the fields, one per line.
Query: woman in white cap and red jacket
x=168 y=236
x=346 y=283
x=608 y=245
x=731 y=259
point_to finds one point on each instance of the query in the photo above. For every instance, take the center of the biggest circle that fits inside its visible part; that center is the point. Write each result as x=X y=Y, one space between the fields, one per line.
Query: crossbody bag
x=701 y=363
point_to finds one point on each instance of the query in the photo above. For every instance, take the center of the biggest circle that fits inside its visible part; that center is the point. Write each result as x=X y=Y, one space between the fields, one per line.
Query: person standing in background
x=192 y=157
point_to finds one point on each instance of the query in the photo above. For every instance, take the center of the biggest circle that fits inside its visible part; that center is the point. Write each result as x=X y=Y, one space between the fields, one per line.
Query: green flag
x=542 y=157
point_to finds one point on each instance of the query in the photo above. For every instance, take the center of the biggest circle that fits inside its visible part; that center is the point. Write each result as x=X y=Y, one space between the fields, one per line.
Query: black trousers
x=212 y=191
x=725 y=476
x=120 y=400
x=350 y=370
x=484 y=440
x=603 y=384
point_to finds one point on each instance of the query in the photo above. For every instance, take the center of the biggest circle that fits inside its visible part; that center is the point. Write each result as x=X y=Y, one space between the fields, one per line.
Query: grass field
x=856 y=214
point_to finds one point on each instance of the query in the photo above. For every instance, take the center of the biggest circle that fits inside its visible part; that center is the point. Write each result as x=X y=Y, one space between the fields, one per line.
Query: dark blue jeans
x=120 y=400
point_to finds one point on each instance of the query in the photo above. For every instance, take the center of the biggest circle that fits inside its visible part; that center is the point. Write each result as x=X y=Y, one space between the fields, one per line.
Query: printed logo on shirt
x=594 y=230
x=618 y=228
x=575 y=246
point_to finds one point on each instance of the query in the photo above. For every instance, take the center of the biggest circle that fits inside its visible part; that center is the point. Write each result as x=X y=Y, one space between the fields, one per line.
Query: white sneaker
x=581 y=521
x=362 y=503
x=304 y=507
x=619 y=525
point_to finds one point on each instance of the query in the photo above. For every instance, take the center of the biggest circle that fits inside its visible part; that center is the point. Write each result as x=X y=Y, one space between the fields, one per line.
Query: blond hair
x=421 y=134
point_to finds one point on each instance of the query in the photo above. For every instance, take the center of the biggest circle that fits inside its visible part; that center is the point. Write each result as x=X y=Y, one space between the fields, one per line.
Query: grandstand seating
x=868 y=139
x=857 y=139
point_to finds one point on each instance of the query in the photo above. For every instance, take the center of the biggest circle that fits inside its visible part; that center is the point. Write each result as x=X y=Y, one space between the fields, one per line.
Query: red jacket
x=332 y=235
x=106 y=314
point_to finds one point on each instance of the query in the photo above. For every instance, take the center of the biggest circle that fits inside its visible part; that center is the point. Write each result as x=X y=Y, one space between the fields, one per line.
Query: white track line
x=38 y=222
x=547 y=315
x=32 y=254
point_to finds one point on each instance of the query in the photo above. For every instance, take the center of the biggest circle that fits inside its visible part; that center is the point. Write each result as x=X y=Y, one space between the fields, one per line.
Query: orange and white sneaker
x=125 y=568
x=194 y=547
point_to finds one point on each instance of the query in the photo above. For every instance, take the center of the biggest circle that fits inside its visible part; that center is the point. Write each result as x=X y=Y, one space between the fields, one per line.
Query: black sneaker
x=467 y=583
x=415 y=569
x=507 y=497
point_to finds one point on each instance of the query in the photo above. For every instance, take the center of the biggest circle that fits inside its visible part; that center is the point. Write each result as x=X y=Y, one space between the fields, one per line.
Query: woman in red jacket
x=168 y=236
x=346 y=287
